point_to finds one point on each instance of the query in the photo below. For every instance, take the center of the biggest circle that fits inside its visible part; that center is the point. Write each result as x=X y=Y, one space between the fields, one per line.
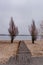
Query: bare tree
x=33 y=31
x=13 y=30
x=41 y=29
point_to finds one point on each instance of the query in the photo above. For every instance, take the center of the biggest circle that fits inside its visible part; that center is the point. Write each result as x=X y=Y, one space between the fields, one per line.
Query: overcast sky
x=22 y=11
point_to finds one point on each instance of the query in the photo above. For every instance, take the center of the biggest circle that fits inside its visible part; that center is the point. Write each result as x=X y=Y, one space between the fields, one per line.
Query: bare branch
x=33 y=31
x=13 y=30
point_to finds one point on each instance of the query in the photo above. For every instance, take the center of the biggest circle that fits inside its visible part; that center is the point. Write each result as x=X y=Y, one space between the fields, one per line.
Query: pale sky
x=22 y=11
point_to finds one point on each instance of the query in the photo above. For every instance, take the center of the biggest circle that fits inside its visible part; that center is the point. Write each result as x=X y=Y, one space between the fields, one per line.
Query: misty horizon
x=23 y=12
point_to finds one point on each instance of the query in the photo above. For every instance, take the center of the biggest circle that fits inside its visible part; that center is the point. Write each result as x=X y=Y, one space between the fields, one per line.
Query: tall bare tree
x=41 y=29
x=13 y=30
x=33 y=31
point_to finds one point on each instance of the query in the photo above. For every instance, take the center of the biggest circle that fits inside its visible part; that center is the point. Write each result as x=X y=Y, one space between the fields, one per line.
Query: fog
x=23 y=12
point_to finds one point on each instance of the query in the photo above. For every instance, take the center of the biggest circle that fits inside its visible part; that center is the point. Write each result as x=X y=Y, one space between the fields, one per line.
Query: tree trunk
x=12 y=39
x=33 y=39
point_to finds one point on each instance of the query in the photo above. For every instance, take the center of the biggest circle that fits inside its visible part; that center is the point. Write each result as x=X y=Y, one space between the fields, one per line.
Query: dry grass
x=36 y=49
x=7 y=49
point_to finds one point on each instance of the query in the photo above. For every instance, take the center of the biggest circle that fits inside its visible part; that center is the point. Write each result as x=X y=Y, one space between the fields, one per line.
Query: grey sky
x=22 y=11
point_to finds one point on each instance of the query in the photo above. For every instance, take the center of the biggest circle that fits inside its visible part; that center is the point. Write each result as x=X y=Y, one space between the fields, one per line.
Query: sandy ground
x=7 y=50
x=36 y=49
x=28 y=53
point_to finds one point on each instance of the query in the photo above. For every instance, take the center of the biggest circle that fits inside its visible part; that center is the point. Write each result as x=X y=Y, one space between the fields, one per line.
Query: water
x=16 y=38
